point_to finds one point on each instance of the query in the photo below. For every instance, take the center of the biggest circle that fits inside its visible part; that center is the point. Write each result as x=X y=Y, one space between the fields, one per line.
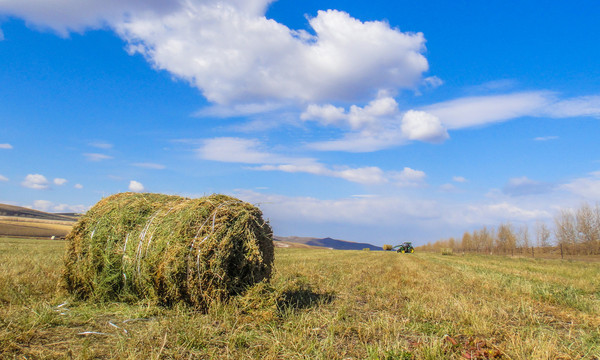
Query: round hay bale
x=132 y=246
x=387 y=247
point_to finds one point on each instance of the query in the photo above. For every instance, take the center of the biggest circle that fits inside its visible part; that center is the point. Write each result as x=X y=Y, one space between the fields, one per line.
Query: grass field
x=37 y=228
x=321 y=304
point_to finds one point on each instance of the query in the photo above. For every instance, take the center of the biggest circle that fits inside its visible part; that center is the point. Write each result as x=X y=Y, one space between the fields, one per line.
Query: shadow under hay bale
x=303 y=298
x=275 y=300
x=168 y=248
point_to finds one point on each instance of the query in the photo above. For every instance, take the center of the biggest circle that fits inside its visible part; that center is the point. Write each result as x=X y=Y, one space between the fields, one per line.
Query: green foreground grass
x=321 y=304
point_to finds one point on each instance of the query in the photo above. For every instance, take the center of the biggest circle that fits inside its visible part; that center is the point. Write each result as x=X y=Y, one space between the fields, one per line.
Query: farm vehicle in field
x=405 y=247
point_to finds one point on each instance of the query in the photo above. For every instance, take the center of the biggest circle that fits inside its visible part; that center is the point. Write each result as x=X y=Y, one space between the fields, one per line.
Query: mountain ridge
x=327 y=242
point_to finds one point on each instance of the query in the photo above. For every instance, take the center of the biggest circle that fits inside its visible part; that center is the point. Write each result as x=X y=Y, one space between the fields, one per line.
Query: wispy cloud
x=3 y=178
x=6 y=146
x=503 y=85
x=459 y=179
x=586 y=187
x=49 y=206
x=389 y=214
x=35 y=181
x=225 y=111
x=545 y=138
x=522 y=186
x=238 y=150
x=364 y=175
x=95 y=157
x=448 y=188
x=152 y=166
x=78 y=186
x=101 y=145
x=583 y=106
x=480 y=110
x=251 y=151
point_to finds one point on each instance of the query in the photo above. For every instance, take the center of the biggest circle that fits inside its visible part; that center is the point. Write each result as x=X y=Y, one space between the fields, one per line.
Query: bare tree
x=543 y=234
x=566 y=230
x=467 y=242
x=524 y=237
x=488 y=239
x=597 y=228
x=452 y=243
x=587 y=234
x=506 y=239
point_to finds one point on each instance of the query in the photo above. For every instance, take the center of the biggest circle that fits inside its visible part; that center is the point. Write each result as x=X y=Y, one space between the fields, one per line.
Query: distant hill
x=326 y=243
x=23 y=222
x=22 y=212
x=294 y=245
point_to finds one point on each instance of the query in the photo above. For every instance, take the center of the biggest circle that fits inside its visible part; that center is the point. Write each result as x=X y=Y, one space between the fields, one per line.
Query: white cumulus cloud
x=42 y=205
x=325 y=114
x=35 y=181
x=419 y=125
x=78 y=186
x=60 y=181
x=6 y=146
x=377 y=125
x=236 y=57
x=409 y=177
x=136 y=186
x=234 y=54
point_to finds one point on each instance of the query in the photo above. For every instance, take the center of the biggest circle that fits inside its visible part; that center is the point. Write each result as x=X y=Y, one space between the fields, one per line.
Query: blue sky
x=366 y=121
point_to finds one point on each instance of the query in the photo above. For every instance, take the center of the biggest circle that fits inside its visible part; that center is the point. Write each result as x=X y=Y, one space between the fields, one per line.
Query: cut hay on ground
x=168 y=248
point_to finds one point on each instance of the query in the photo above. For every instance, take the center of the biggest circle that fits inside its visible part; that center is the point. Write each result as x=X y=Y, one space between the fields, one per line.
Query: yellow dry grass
x=24 y=227
x=321 y=304
x=21 y=220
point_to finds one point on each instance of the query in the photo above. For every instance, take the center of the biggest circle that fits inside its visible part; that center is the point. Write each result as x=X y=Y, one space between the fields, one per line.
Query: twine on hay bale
x=166 y=248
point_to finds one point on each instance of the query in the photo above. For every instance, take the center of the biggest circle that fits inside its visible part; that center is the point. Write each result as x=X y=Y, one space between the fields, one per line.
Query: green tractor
x=405 y=247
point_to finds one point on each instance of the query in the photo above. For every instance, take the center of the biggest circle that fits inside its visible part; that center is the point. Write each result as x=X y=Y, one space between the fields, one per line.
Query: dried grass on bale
x=387 y=247
x=168 y=248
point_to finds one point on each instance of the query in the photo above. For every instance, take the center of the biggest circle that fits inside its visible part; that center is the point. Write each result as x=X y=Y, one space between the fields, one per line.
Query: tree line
x=575 y=232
